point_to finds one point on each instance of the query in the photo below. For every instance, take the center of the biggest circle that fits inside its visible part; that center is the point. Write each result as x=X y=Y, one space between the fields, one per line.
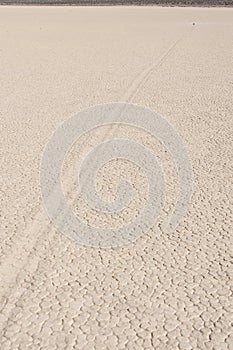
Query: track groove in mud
x=166 y=291
x=11 y=271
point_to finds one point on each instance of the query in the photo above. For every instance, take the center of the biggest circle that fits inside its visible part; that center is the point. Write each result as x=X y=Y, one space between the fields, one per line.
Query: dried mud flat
x=162 y=292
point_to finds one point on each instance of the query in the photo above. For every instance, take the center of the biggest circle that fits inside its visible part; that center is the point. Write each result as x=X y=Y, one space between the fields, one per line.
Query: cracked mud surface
x=162 y=292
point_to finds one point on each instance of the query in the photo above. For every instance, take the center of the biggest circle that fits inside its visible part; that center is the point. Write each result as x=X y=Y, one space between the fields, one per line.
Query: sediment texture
x=163 y=291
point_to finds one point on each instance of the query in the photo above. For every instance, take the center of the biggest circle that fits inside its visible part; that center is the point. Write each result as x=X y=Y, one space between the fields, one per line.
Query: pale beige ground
x=163 y=292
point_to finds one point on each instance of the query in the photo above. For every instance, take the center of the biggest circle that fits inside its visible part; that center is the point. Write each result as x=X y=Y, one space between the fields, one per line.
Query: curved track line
x=12 y=268
x=142 y=78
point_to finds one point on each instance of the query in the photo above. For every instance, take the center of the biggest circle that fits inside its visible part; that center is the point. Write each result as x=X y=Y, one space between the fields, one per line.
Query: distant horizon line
x=168 y=3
